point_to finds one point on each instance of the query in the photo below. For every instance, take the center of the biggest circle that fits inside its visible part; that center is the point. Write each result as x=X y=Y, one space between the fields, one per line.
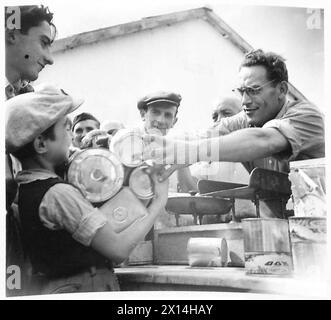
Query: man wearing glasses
x=269 y=132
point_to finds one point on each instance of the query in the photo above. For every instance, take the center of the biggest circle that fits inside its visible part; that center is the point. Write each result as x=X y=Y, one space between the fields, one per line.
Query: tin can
x=308 y=187
x=207 y=252
x=97 y=173
x=309 y=245
x=128 y=145
x=267 y=246
x=141 y=183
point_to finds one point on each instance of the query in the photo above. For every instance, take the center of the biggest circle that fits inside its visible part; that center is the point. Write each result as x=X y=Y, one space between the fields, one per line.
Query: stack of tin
x=267 y=246
x=97 y=173
x=308 y=226
x=128 y=145
x=207 y=252
x=100 y=173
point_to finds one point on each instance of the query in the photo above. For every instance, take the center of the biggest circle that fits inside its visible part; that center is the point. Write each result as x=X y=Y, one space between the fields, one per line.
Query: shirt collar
x=28 y=176
x=7 y=83
x=283 y=109
x=17 y=85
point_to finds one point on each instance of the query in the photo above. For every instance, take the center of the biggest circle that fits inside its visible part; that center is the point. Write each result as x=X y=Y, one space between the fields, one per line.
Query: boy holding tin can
x=70 y=243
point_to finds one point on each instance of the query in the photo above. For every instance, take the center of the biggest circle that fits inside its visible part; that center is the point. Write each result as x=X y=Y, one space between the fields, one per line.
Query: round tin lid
x=97 y=173
x=128 y=146
x=141 y=183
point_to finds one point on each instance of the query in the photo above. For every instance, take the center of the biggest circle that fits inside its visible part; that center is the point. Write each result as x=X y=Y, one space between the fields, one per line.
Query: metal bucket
x=128 y=145
x=97 y=173
x=309 y=245
x=207 y=252
x=267 y=246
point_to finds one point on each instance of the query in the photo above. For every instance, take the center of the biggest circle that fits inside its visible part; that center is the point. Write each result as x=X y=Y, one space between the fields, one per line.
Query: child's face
x=58 y=149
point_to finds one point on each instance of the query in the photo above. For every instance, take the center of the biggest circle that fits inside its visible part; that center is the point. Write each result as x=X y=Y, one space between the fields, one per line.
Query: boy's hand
x=160 y=189
x=90 y=140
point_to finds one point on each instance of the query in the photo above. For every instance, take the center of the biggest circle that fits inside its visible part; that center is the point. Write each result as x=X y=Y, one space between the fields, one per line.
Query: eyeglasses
x=250 y=90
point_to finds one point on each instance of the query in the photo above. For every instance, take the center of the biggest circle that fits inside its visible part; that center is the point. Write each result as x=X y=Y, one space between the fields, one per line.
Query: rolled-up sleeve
x=64 y=207
x=230 y=124
x=303 y=127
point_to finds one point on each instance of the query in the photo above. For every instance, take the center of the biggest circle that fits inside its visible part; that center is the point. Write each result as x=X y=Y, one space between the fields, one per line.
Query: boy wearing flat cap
x=70 y=243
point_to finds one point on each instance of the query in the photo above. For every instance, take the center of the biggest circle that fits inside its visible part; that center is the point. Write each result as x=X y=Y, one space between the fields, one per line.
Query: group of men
x=69 y=245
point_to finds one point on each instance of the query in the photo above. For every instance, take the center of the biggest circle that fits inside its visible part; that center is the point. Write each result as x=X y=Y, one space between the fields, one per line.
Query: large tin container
x=123 y=210
x=309 y=245
x=97 y=173
x=128 y=145
x=267 y=246
x=207 y=252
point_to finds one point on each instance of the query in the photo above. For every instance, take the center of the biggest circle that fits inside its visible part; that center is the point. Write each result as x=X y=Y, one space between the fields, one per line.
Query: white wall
x=190 y=58
x=272 y=25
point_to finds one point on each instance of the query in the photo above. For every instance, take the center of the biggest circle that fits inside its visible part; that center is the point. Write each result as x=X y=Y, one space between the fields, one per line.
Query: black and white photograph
x=165 y=150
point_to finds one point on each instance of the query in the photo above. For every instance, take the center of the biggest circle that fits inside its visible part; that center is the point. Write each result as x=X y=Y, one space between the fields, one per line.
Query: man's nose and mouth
x=160 y=126
x=250 y=110
x=42 y=66
x=44 y=62
x=249 y=107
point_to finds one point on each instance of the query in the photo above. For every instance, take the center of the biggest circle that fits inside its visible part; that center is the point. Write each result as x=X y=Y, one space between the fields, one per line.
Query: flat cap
x=82 y=117
x=159 y=96
x=111 y=125
x=30 y=114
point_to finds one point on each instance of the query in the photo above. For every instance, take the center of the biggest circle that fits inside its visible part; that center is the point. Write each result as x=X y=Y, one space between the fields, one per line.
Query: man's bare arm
x=242 y=145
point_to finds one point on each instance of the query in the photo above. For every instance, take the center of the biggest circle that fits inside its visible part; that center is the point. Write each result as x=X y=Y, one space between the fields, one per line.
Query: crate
x=141 y=254
x=170 y=244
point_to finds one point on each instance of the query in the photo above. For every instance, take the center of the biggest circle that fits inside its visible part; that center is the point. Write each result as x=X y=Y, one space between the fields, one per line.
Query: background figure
x=82 y=124
x=111 y=127
x=226 y=107
x=221 y=171
x=158 y=111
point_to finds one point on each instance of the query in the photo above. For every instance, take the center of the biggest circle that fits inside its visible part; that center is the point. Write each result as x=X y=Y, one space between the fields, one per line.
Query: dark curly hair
x=32 y=16
x=274 y=64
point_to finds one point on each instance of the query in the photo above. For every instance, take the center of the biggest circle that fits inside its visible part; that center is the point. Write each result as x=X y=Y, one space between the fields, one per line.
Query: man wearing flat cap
x=159 y=110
